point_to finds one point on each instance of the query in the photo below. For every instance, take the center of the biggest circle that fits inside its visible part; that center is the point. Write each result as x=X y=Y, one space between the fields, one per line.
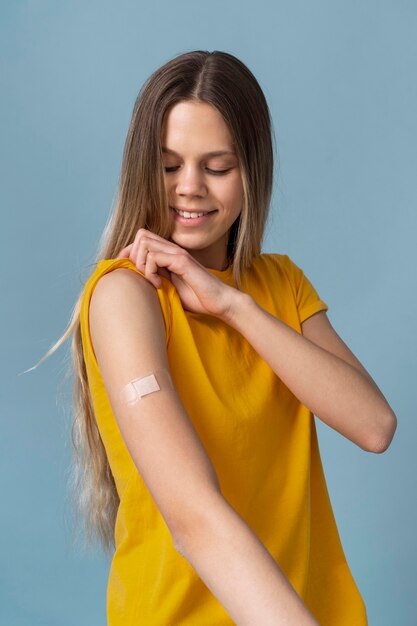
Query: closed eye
x=215 y=172
x=219 y=171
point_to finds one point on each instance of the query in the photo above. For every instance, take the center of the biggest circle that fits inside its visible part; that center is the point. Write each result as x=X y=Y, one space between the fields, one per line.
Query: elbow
x=178 y=545
x=192 y=530
x=382 y=441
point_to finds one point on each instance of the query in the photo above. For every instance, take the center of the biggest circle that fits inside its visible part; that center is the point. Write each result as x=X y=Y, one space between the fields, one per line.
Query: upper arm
x=319 y=330
x=128 y=335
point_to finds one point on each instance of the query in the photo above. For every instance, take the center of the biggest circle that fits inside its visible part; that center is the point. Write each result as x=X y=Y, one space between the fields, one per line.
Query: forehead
x=192 y=125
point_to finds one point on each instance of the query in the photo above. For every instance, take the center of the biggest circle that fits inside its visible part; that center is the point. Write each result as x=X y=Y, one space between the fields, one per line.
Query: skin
x=334 y=386
x=192 y=130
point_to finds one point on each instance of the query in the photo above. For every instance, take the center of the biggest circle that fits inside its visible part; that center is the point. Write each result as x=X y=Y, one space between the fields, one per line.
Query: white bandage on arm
x=136 y=389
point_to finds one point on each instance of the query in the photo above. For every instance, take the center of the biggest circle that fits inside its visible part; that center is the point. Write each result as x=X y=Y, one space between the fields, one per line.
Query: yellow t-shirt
x=263 y=444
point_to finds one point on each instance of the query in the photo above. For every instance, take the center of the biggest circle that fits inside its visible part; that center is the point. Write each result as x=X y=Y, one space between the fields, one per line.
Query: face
x=202 y=175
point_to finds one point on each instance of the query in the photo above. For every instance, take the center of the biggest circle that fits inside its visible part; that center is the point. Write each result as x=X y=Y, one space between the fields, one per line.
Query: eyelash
x=169 y=170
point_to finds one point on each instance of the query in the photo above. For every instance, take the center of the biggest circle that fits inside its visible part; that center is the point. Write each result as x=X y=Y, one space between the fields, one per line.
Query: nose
x=190 y=182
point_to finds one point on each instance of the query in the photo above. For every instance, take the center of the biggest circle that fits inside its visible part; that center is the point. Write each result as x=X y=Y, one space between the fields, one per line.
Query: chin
x=189 y=245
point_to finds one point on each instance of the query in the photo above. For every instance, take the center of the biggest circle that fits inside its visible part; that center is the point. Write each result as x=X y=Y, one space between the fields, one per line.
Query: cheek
x=232 y=191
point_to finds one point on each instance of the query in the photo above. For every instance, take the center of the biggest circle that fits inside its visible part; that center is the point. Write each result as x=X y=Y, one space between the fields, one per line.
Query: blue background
x=340 y=79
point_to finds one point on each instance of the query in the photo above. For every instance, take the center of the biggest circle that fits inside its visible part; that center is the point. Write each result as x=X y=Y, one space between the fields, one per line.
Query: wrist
x=239 y=303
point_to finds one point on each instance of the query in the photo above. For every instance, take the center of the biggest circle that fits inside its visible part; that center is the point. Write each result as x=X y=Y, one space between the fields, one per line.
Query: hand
x=199 y=290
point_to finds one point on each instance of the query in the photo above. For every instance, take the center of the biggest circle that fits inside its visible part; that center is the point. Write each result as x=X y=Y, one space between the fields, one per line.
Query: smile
x=191 y=214
x=194 y=217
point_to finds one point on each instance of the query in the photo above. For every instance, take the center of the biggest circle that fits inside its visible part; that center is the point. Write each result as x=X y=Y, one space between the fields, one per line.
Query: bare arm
x=128 y=335
x=320 y=370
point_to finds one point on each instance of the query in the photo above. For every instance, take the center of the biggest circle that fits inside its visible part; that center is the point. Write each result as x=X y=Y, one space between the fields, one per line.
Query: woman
x=199 y=364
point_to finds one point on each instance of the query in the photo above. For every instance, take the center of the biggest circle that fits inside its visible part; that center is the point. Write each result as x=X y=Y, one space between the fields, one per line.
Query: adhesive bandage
x=139 y=387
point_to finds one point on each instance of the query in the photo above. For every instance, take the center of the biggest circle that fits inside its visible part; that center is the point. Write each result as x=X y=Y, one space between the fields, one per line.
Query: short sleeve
x=306 y=296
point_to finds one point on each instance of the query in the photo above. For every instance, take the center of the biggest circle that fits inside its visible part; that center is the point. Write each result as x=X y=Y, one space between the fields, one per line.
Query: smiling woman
x=207 y=476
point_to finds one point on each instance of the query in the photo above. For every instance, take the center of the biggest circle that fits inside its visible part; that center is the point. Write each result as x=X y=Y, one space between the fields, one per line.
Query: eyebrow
x=214 y=153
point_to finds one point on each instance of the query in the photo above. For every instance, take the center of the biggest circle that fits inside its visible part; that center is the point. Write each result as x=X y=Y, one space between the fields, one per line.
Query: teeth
x=187 y=214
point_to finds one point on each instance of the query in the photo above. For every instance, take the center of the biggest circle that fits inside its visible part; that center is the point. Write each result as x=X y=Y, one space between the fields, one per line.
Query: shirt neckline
x=225 y=271
x=226 y=274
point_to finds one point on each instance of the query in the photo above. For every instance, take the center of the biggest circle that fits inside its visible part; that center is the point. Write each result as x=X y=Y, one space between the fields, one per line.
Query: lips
x=180 y=208
x=191 y=222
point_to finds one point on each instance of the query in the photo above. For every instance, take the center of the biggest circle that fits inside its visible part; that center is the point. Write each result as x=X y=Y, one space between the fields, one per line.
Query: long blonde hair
x=222 y=80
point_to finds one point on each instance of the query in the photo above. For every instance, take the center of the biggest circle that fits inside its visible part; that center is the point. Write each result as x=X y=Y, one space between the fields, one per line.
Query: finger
x=166 y=262
x=147 y=240
x=162 y=271
x=141 y=234
x=124 y=252
x=139 y=250
x=147 y=244
x=135 y=246
x=153 y=262
x=151 y=270
x=131 y=250
x=144 y=233
x=150 y=236
x=142 y=251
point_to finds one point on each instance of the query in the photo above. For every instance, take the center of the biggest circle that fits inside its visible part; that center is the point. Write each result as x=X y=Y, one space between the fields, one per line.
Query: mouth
x=191 y=218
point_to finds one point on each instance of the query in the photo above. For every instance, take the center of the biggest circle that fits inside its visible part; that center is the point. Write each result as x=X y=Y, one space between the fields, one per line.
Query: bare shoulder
x=123 y=288
x=126 y=319
x=125 y=283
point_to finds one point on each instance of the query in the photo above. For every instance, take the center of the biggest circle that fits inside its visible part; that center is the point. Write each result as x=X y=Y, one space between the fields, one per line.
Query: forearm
x=334 y=390
x=240 y=572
